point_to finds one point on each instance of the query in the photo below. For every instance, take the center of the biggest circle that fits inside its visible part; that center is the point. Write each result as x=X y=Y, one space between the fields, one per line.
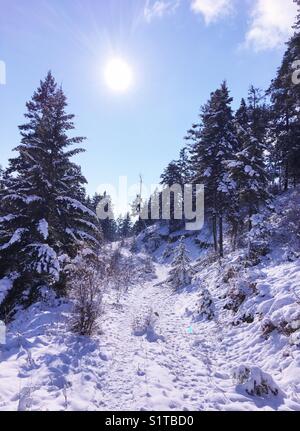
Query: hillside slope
x=156 y=351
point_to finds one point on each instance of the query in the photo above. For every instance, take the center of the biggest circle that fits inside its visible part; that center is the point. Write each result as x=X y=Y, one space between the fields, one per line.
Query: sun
x=118 y=75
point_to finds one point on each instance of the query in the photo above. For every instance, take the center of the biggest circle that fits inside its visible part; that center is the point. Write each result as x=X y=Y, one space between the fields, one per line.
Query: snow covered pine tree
x=285 y=124
x=181 y=273
x=176 y=173
x=45 y=216
x=214 y=141
x=247 y=168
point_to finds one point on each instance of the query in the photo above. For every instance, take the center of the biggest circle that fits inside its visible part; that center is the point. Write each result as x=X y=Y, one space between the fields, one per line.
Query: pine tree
x=155 y=207
x=177 y=173
x=285 y=124
x=140 y=211
x=213 y=142
x=247 y=169
x=44 y=199
x=258 y=113
x=107 y=226
x=205 y=305
x=2 y=188
x=125 y=226
x=183 y=164
x=181 y=273
x=172 y=176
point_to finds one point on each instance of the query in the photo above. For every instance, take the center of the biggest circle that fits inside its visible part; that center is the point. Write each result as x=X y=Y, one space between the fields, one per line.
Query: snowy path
x=181 y=366
x=184 y=371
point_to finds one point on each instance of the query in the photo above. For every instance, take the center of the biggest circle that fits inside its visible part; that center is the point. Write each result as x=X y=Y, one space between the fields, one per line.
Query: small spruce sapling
x=181 y=273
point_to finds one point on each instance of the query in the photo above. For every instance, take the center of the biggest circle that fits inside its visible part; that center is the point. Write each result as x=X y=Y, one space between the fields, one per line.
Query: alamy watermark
x=178 y=202
x=2 y=73
x=2 y=333
x=296 y=73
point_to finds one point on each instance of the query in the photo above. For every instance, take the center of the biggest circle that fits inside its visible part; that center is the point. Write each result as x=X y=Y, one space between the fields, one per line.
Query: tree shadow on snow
x=274 y=401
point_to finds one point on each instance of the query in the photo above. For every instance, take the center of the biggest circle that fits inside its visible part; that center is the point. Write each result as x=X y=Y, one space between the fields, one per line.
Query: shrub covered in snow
x=168 y=251
x=85 y=289
x=149 y=240
x=246 y=317
x=235 y=297
x=267 y=327
x=230 y=273
x=123 y=271
x=205 y=306
x=287 y=224
x=114 y=263
x=120 y=281
x=241 y=288
x=141 y=323
x=285 y=327
x=254 y=381
x=258 y=239
x=181 y=273
x=134 y=246
x=291 y=255
x=295 y=339
x=145 y=324
x=148 y=268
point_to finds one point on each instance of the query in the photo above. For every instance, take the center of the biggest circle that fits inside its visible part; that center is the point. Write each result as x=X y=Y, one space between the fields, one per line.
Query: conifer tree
x=126 y=226
x=172 y=176
x=2 y=188
x=213 y=142
x=177 y=173
x=44 y=198
x=181 y=273
x=247 y=168
x=285 y=124
x=107 y=226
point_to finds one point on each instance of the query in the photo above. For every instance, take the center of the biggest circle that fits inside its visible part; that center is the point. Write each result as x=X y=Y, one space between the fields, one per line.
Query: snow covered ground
x=178 y=363
x=155 y=352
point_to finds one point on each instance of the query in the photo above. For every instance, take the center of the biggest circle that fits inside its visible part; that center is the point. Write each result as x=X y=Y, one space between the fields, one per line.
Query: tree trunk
x=215 y=232
x=250 y=217
x=286 y=177
x=221 y=236
x=234 y=235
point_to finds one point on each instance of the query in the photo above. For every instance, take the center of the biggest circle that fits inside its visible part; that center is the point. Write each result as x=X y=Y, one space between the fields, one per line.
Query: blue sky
x=179 y=51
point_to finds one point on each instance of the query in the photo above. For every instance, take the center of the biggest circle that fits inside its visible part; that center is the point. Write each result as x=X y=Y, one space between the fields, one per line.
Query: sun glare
x=118 y=75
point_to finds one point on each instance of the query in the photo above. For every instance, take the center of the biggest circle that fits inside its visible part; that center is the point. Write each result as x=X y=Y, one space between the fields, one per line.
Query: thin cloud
x=159 y=8
x=212 y=10
x=271 y=24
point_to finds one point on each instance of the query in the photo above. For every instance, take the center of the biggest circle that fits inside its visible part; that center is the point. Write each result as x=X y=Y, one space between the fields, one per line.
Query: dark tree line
x=242 y=157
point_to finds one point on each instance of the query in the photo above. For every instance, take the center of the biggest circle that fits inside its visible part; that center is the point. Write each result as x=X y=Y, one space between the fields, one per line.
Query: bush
x=134 y=247
x=244 y=318
x=255 y=382
x=206 y=308
x=295 y=339
x=230 y=274
x=182 y=272
x=85 y=290
x=168 y=252
x=258 y=240
x=282 y=326
x=267 y=327
x=148 y=266
x=115 y=262
x=235 y=298
x=145 y=323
